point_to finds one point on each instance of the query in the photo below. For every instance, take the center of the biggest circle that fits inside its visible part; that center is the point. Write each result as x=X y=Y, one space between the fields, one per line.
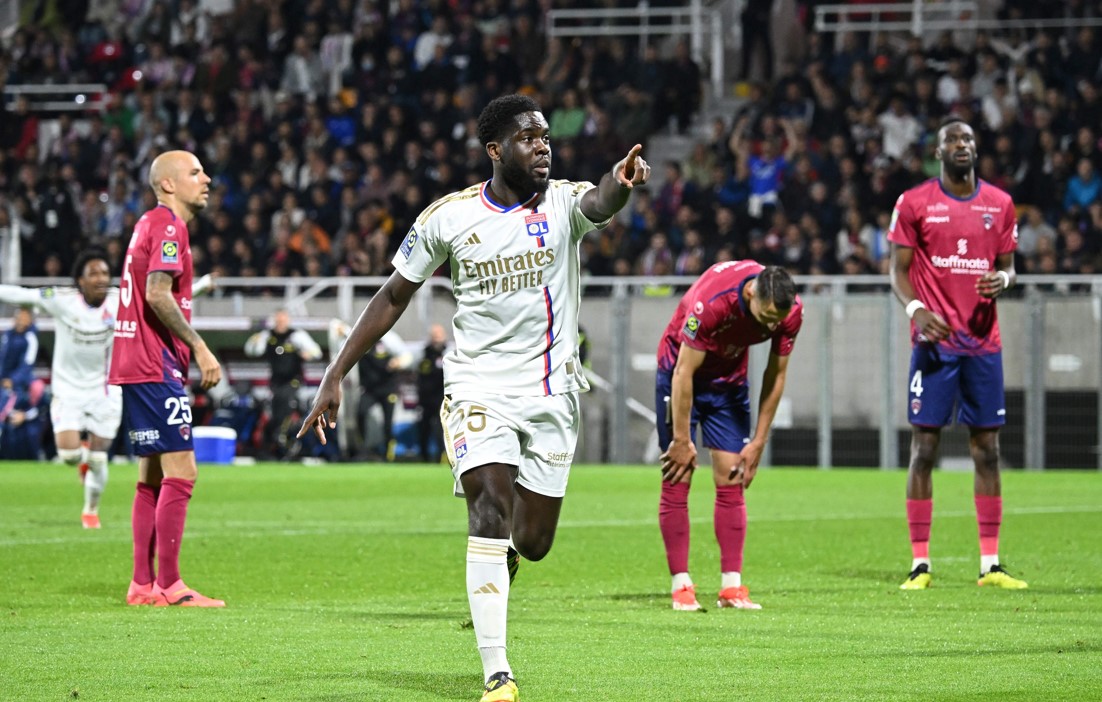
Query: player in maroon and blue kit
x=153 y=345
x=953 y=241
x=702 y=366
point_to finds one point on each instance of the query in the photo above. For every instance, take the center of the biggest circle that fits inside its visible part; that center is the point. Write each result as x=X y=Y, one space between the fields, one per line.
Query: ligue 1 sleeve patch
x=692 y=324
x=170 y=252
x=47 y=293
x=409 y=242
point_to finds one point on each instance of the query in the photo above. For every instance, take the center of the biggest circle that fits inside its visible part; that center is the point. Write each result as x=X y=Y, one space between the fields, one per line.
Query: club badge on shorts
x=460 y=447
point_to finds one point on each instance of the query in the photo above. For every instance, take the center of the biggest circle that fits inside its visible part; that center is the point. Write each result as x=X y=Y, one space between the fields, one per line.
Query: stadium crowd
x=328 y=125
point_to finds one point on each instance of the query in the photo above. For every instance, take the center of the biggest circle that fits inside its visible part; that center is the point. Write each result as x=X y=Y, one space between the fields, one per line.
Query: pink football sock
x=673 y=520
x=730 y=525
x=143 y=526
x=171 y=514
x=989 y=516
x=920 y=514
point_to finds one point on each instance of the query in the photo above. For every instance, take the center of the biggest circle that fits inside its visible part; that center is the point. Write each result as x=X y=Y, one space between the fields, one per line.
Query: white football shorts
x=536 y=434
x=93 y=412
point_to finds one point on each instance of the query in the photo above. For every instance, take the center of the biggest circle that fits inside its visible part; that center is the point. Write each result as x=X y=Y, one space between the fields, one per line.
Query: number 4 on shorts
x=916 y=384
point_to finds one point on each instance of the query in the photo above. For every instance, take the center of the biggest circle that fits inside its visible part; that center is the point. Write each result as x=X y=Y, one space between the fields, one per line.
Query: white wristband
x=914 y=306
x=1006 y=279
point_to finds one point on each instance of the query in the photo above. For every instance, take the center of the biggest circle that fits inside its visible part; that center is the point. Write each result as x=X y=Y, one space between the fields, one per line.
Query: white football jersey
x=82 y=338
x=516 y=280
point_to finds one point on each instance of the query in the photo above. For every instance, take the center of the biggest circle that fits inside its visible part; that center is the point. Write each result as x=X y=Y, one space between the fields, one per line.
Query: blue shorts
x=158 y=417
x=938 y=381
x=723 y=415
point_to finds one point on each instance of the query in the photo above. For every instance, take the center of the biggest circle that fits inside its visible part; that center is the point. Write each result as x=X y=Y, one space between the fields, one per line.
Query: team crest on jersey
x=170 y=252
x=460 y=447
x=409 y=242
x=698 y=307
x=988 y=221
x=692 y=324
x=170 y=230
x=536 y=225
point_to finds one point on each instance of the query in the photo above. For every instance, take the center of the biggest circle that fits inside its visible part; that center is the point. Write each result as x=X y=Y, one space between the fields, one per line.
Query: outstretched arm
x=33 y=297
x=255 y=344
x=612 y=193
x=203 y=286
x=376 y=319
x=158 y=294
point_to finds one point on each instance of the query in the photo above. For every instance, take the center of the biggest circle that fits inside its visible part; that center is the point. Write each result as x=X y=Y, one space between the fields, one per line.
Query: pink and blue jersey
x=955 y=242
x=713 y=317
x=145 y=351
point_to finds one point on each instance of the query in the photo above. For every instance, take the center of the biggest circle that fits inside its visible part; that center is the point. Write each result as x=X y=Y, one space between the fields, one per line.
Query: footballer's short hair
x=498 y=117
x=949 y=121
x=776 y=286
x=84 y=257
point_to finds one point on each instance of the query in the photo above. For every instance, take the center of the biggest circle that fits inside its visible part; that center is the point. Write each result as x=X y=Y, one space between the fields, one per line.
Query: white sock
x=987 y=561
x=919 y=561
x=488 y=595
x=680 y=580
x=71 y=457
x=95 y=481
x=493 y=661
x=732 y=579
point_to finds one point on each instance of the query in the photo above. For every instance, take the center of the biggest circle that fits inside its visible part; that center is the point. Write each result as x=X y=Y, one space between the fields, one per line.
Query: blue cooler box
x=214 y=444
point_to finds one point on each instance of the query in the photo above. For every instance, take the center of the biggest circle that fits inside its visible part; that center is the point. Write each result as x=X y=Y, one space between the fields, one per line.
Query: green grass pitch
x=347 y=583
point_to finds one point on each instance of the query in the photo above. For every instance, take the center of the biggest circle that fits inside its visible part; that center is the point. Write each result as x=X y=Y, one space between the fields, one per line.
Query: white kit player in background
x=82 y=401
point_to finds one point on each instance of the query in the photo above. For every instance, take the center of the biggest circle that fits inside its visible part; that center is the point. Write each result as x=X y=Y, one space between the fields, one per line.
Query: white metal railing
x=299 y=290
x=848 y=375
x=919 y=18
x=61 y=97
x=694 y=21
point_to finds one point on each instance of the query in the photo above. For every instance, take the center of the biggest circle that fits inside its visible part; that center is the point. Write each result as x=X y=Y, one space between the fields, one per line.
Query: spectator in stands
x=22 y=397
x=767 y=169
x=756 y=32
x=214 y=84
x=681 y=91
x=430 y=394
x=378 y=370
x=286 y=351
x=1084 y=188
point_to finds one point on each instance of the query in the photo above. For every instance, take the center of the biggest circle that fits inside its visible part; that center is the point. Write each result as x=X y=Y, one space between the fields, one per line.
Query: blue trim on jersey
x=741 y=301
x=503 y=209
x=550 y=340
x=951 y=196
x=161 y=204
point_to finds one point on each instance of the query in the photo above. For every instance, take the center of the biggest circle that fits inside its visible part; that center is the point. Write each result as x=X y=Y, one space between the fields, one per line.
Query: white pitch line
x=267 y=529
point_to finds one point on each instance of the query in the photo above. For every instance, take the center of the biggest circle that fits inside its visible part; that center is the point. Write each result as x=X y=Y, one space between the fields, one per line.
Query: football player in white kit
x=512 y=381
x=82 y=400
